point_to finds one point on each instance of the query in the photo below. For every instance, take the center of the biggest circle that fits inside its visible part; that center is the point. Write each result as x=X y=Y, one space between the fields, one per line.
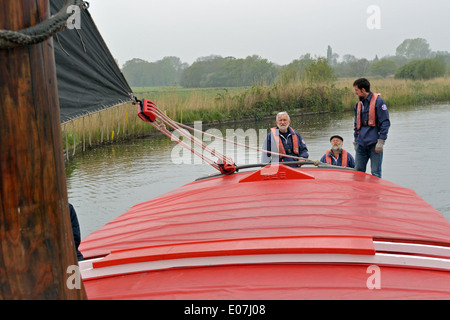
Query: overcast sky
x=277 y=30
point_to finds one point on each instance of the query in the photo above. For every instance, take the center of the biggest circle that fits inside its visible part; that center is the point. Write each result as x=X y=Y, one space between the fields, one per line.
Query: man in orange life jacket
x=285 y=140
x=371 y=127
x=337 y=156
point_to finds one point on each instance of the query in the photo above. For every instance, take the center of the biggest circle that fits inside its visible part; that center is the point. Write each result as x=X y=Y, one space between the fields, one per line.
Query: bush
x=383 y=68
x=319 y=71
x=422 y=69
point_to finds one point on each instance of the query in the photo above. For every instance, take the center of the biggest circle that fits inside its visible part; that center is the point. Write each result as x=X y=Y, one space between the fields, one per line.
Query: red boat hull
x=277 y=233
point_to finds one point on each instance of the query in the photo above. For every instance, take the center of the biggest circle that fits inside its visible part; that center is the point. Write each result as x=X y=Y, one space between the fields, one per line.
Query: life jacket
x=280 y=145
x=372 y=104
x=344 y=158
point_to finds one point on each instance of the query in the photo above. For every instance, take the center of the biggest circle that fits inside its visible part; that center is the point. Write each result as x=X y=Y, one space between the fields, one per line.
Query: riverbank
x=400 y=93
x=223 y=104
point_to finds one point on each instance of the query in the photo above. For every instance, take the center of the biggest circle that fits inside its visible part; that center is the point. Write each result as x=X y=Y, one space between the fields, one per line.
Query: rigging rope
x=242 y=145
x=149 y=112
x=42 y=31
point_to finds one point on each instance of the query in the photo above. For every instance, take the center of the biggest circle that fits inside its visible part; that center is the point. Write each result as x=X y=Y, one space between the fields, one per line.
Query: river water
x=105 y=182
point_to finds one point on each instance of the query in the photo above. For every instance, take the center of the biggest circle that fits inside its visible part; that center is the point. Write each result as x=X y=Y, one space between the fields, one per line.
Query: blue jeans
x=363 y=154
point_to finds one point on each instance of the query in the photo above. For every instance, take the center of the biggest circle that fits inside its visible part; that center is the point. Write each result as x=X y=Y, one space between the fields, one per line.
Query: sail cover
x=89 y=78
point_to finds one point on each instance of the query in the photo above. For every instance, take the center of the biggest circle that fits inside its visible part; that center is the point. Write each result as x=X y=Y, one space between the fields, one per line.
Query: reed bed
x=228 y=104
x=400 y=92
x=103 y=127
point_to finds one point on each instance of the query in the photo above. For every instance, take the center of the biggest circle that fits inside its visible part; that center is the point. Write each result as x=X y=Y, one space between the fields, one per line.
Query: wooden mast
x=36 y=241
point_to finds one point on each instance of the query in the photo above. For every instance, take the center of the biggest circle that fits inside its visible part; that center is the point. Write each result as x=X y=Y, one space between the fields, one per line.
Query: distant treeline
x=413 y=59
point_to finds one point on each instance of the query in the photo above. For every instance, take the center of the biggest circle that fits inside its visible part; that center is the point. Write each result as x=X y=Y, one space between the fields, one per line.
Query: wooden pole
x=36 y=241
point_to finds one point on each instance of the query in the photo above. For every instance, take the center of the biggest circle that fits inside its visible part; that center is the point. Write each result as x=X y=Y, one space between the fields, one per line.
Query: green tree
x=215 y=71
x=383 y=68
x=422 y=69
x=413 y=49
x=445 y=57
x=201 y=71
x=359 y=68
x=352 y=67
x=331 y=57
x=294 y=71
x=319 y=71
x=165 y=72
x=136 y=72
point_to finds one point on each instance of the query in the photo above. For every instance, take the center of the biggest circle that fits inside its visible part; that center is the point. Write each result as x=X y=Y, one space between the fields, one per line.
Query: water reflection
x=106 y=182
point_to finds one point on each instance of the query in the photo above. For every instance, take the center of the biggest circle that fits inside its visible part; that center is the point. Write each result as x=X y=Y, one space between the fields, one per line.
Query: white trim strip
x=412 y=248
x=381 y=259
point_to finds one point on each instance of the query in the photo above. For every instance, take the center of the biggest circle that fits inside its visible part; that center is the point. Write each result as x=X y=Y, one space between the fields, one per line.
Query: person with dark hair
x=337 y=156
x=371 y=127
x=76 y=231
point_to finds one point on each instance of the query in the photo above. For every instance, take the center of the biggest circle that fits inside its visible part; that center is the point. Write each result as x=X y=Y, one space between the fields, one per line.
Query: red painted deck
x=272 y=234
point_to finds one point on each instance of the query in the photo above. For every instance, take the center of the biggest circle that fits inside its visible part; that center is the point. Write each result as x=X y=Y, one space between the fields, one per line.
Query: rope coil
x=42 y=31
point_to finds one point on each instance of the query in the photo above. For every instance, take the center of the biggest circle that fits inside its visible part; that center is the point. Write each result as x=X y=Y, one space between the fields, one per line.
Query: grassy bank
x=398 y=92
x=228 y=104
x=220 y=104
x=107 y=126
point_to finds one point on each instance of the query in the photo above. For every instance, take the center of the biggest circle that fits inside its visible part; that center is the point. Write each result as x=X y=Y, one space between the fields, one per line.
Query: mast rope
x=149 y=112
x=42 y=31
x=242 y=145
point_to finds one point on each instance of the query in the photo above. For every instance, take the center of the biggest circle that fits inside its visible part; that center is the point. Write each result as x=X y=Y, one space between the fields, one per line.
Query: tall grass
x=295 y=97
x=399 y=92
x=254 y=102
x=228 y=104
x=106 y=126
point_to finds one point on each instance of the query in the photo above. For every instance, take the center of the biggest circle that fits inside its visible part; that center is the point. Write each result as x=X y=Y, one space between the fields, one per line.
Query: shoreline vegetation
x=212 y=105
